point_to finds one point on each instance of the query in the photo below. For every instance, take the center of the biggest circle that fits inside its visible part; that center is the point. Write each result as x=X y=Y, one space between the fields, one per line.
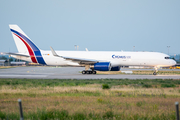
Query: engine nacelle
x=102 y=66
x=117 y=68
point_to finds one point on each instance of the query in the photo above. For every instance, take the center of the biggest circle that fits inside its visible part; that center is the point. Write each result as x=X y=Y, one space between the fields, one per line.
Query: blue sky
x=99 y=25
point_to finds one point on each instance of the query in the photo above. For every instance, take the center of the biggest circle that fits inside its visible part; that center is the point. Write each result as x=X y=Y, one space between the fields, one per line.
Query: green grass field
x=85 y=99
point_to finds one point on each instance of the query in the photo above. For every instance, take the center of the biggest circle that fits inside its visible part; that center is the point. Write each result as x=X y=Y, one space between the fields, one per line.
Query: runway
x=69 y=73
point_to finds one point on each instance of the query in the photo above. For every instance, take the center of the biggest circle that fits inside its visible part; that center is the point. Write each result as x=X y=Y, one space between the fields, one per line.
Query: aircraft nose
x=173 y=62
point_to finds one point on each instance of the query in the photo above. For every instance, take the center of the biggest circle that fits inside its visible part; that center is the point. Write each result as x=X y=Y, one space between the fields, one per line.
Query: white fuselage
x=154 y=59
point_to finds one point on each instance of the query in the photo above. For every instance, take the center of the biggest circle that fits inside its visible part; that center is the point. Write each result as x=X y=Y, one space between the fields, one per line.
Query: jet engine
x=117 y=68
x=102 y=66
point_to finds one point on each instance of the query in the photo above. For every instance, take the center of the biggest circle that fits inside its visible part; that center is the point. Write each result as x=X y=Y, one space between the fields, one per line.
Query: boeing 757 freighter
x=92 y=60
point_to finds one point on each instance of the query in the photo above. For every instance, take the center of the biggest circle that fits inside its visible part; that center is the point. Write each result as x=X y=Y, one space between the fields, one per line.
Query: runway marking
x=23 y=75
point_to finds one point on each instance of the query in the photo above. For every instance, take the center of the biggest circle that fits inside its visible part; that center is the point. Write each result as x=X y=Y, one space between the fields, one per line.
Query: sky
x=99 y=25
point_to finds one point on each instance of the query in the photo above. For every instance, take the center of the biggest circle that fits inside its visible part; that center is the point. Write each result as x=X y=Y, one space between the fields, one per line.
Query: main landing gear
x=88 y=72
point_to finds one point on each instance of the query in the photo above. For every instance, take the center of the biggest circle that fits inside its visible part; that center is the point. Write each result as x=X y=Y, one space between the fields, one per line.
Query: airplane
x=92 y=60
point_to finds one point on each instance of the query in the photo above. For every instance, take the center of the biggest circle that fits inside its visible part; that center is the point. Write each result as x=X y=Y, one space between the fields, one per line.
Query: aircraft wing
x=17 y=54
x=78 y=60
x=81 y=61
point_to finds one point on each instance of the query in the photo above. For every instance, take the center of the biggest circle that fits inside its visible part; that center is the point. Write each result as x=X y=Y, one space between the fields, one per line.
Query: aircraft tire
x=93 y=72
x=154 y=73
x=88 y=72
x=84 y=72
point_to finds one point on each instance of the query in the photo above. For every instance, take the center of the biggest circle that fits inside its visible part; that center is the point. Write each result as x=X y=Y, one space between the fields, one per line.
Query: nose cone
x=173 y=62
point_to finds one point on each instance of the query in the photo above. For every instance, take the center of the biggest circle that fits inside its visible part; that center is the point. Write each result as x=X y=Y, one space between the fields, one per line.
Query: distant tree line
x=10 y=59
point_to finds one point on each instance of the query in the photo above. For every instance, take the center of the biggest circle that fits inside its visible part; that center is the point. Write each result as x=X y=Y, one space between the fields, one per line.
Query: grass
x=4 y=67
x=105 y=86
x=85 y=99
x=26 y=83
x=107 y=115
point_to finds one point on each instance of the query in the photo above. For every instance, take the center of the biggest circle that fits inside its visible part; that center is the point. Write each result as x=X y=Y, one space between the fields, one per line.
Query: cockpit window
x=167 y=57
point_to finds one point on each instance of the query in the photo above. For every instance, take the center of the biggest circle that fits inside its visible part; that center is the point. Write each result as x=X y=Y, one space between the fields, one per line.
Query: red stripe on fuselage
x=31 y=53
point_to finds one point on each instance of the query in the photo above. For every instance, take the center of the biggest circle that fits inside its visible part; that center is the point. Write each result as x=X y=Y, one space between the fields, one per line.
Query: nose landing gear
x=155 y=71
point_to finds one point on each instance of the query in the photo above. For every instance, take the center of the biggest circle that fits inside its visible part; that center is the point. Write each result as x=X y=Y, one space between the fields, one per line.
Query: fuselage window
x=167 y=57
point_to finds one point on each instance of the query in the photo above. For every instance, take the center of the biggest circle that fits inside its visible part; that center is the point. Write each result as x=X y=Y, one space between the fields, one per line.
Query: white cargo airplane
x=92 y=60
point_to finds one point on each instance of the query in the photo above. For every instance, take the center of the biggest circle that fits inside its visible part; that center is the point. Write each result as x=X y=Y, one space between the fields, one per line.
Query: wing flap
x=81 y=60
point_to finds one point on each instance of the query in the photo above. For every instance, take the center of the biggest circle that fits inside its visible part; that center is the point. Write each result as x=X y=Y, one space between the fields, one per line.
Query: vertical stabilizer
x=25 y=45
x=21 y=47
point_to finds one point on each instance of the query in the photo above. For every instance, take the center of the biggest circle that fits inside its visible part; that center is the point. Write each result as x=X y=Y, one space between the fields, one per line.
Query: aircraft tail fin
x=18 y=36
x=25 y=45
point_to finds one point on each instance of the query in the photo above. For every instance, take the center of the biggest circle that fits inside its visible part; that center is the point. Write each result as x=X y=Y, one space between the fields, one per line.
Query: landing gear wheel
x=155 y=70
x=93 y=72
x=88 y=72
x=83 y=72
x=154 y=73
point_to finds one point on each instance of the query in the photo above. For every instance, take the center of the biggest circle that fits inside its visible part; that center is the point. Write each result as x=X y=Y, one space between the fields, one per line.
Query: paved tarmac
x=70 y=73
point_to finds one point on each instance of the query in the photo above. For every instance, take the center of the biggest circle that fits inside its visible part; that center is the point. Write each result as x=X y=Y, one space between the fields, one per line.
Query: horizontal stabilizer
x=17 y=54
